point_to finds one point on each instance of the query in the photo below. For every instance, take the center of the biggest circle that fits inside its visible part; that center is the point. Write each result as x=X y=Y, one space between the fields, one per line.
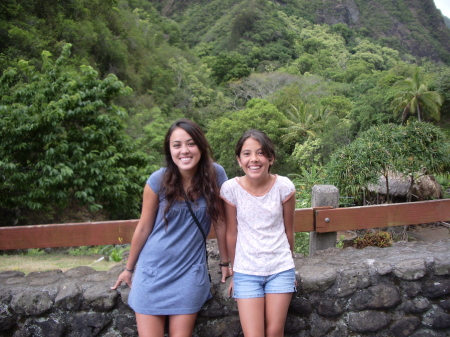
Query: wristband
x=130 y=270
x=224 y=264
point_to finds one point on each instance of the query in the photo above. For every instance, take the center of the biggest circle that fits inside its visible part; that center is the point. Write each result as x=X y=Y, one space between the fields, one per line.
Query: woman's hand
x=124 y=277
x=226 y=272
x=230 y=288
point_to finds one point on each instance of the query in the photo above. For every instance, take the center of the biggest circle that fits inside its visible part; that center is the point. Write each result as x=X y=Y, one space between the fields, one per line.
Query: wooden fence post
x=323 y=195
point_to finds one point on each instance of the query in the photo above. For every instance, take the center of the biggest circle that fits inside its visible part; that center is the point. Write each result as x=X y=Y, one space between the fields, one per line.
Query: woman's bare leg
x=150 y=325
x=182 y=325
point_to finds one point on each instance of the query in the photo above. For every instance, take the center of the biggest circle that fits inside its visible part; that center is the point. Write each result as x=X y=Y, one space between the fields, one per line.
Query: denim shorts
x=252 y=286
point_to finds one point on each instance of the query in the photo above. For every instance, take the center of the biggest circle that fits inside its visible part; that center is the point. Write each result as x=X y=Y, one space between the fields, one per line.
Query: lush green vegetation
x=88 y=89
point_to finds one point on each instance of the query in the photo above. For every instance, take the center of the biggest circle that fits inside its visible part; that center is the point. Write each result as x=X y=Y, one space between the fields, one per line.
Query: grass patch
x=44 y=262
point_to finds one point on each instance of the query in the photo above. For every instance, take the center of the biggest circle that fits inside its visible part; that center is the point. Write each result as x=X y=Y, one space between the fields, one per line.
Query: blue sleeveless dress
x=171 y=277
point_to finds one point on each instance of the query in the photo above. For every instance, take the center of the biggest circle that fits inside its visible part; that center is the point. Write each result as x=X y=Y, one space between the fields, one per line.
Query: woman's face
x=185 y=153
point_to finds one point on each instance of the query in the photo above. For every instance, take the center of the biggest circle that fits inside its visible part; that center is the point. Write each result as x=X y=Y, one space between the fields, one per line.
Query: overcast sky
x=444 y=6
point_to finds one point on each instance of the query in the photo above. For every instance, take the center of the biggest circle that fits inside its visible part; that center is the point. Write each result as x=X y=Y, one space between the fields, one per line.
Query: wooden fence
x=320 y=219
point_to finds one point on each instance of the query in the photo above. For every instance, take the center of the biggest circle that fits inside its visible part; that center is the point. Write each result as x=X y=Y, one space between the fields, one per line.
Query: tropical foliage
x=413 y=97
x=328 y=84
x=63 y=139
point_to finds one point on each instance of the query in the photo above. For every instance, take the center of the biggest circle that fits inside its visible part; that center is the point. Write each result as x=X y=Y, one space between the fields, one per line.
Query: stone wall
x=399 y=291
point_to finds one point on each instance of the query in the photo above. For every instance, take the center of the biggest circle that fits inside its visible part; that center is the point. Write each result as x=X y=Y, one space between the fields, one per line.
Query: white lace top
x=262 y=247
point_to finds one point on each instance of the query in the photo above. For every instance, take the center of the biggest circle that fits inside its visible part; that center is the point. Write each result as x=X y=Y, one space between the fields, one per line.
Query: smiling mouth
x=254 y=167
x=185 y=159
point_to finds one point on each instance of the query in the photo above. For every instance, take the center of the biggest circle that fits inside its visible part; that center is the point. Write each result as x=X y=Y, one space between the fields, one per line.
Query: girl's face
x=185 y=153
x=252 y=159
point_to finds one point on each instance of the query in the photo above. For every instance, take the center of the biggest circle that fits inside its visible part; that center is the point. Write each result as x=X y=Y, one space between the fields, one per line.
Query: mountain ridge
x=415 y=27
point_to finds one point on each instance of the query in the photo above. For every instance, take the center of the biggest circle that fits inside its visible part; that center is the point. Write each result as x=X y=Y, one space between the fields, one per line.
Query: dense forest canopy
x=88 y=89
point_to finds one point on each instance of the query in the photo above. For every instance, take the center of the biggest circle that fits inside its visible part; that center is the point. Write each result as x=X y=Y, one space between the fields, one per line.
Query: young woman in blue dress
x=167 y=254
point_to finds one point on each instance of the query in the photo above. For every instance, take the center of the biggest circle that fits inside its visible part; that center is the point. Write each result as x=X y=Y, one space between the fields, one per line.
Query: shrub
x=377 y=239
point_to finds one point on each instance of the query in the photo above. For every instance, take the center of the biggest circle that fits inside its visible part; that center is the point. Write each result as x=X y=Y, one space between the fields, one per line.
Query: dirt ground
x=430 y=232
x=436 y=231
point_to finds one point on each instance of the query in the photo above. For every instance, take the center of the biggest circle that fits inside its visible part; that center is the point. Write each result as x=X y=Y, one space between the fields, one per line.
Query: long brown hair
x=204 y=182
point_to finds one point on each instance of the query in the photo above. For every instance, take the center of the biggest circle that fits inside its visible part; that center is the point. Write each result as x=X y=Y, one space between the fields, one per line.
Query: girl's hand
x=226 y=273
x=230 y=288
x=124 y=277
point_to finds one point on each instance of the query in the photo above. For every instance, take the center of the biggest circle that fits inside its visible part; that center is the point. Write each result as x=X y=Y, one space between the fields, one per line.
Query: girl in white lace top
x=260 y=210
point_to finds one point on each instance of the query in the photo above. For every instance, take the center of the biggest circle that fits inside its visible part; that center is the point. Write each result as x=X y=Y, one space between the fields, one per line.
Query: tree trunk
x=411 y=184
x=388 y=201
x=419 y=113
x=405 y=114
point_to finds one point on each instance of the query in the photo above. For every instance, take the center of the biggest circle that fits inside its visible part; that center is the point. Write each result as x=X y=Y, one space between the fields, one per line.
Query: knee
x=274 y=331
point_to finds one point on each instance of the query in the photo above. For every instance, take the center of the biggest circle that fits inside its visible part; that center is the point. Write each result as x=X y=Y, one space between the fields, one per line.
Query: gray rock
x=405 y=326
x=47 y=327
x=126 y=325
x=223 y=327
x=428 y=333
x=316 y=278
x=13 y=273
x=434 y=289
x=412 y=289
x=330 y=307
x=100 y=298
x=31 y=303
x=294 y=324
x=7 y=318
x=321 y=326
x=442 y=267
x=85 y=324
x=352 y=279
x=5 y=296
x=445 y=304
x=381 y=296
x=300 y=306
x=436 y=318
x=416 y=306
x=382 y=268
x=212 y=309
x=69 y=296
x=413 y=269
x=367 y=321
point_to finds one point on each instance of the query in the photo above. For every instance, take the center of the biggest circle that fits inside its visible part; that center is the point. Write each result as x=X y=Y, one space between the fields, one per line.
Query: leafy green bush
x=35 y=252
x=302 y=243
x=83 y=250
x=63 y=140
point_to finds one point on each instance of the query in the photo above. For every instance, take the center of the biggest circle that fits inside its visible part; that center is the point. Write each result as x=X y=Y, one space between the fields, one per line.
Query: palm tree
x=303 y=122
x=414 y=97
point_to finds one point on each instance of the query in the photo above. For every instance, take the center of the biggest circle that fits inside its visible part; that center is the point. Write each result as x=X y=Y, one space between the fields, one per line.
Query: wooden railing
x=320 y=219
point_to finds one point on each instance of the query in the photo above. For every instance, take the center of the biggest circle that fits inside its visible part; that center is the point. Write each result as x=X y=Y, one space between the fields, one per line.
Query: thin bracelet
x=224 y=264
x=130 y=270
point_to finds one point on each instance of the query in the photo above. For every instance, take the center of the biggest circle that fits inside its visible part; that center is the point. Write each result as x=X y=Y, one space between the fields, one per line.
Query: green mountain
x=415 y=27
x=447 y=21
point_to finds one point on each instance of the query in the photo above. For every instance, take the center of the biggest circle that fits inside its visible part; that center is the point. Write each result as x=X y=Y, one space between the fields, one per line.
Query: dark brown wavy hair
x=204 y=182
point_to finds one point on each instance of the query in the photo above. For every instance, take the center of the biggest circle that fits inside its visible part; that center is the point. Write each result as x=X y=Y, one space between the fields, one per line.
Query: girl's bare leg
x=277 y=306
x=251 y=315
x=150 y=325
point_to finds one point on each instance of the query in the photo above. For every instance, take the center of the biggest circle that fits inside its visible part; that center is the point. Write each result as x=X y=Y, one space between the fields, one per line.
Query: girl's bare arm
x=288 y=214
